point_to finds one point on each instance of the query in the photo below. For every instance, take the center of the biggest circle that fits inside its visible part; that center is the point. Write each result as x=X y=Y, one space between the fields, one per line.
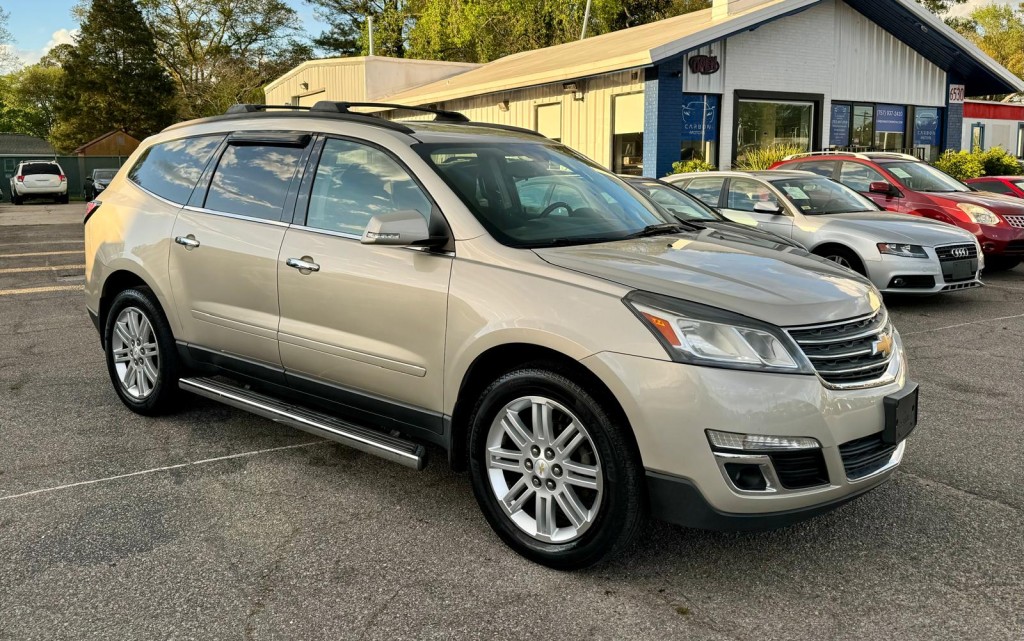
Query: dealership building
x=716 y=84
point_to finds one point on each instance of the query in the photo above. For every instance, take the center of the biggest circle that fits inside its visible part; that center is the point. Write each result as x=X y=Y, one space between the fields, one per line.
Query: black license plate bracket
x=900 y=414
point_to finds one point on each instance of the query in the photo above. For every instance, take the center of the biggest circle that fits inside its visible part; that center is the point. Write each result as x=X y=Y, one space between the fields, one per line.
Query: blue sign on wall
x=700 y=117
x=839 y=135
x=927 y=126
x=890 y=119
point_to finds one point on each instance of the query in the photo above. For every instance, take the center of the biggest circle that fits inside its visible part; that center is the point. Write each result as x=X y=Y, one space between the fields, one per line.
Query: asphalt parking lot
x=215 y=524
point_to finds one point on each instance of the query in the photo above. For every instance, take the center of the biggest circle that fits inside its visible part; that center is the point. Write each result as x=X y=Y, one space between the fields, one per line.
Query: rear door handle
x=304 y=264
x=189 y=242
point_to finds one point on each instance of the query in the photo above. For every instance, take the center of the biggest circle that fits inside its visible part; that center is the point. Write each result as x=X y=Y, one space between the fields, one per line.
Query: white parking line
x=41 y=290
x=25 y=270
x=42 y=254
x=159 y=469
x=959 y=325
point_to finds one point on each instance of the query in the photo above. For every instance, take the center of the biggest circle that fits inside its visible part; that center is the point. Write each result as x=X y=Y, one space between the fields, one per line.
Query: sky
x=39 y=25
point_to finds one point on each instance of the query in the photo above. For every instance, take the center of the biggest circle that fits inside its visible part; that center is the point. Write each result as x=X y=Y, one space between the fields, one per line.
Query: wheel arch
x=833 y=245
x=498 y=359
x=118 y=281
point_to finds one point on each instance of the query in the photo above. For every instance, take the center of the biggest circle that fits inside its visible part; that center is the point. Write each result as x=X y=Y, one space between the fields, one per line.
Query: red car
x=1007 y=185
x=904 y=184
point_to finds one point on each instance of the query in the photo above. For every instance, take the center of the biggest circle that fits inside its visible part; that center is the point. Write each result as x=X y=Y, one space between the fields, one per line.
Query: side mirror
x=763 y=207
x=402 y=228
x=880 y=187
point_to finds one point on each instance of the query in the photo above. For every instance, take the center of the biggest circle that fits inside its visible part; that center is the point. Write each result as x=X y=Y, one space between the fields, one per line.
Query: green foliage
x=348 y=33
x=8 y=60
x=759 y=158
x=998 y=30
x=999 y=162
x=690 y=166
x=220 y=52
x=962 y=165
x=112 y=79
x=941 y=6
x=28 y=100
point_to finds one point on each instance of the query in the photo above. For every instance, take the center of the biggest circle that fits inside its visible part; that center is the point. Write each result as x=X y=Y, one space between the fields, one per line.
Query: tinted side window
x=252 y=180
x=172 y=169
x=708 y=190
x=822 y=168
x=859 y=177
x=745 y=193
x=355 y=182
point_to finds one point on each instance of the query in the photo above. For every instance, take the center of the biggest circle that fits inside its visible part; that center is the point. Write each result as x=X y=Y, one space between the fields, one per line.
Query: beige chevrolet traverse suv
x=484 y=290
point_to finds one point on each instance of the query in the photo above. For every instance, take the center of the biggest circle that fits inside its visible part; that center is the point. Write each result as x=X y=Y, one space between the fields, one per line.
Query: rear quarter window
x=171 y=169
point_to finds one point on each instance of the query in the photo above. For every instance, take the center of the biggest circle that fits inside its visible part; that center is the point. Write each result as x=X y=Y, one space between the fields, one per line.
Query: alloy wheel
x=544 y=469
x=136 y=353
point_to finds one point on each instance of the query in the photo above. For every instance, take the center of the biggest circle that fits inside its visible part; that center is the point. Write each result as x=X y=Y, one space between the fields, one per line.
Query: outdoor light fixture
x=503 y=105
x=304 y=85
x=575 y=88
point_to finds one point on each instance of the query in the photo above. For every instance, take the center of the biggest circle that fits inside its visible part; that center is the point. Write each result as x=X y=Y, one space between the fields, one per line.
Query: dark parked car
x=96 y=182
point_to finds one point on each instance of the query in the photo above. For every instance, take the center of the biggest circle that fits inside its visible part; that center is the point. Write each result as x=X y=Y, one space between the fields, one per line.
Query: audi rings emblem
x=961 y=252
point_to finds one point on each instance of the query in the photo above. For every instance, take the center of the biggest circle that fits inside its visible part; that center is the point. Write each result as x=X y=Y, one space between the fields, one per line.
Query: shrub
x=689 y=166
x=757 y=158
x=962 y=165
x=999 y=162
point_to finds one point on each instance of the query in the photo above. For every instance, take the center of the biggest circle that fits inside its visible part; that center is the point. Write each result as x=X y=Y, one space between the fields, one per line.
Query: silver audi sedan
x=898 y=253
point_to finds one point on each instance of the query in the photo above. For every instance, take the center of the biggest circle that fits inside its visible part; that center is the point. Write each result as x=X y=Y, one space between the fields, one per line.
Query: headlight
x=900 y=249
x=701 y=335
x=979 y=214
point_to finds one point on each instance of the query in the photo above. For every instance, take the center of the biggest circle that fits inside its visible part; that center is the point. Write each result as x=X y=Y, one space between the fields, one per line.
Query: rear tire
x=63 y=200
x=142 y=357
x=1000 y=263
x=17 y=200
x=554 y=470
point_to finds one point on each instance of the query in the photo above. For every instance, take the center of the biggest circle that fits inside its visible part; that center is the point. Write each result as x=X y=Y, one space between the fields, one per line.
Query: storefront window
x=628 y=134
x=978 y=136
x=927 y=133
x=863 y=127
x=765 y=123
x=839 y=132
x=700 y=128
x=890 y=127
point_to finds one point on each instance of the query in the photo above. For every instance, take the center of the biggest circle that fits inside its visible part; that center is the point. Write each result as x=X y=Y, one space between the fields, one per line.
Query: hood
x=788 y=287
x=996 y=202
x=897 y=228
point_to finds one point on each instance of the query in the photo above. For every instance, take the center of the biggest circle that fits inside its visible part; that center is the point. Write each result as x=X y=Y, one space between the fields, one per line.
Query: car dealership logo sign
x=705 y=65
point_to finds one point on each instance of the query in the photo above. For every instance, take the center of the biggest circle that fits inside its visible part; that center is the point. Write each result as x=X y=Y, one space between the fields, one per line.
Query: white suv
x=39 y=179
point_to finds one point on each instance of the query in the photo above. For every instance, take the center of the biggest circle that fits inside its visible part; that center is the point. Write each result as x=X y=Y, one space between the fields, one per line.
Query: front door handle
x=304 y=264
x=189 y=242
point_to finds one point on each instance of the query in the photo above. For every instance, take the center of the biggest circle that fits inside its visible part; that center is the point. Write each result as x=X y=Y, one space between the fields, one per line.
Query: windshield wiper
x=662 y=229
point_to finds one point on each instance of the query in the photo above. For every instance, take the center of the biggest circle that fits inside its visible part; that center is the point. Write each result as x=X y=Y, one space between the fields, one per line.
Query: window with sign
x=700 y=128
x=890 y=127
x=927 y=132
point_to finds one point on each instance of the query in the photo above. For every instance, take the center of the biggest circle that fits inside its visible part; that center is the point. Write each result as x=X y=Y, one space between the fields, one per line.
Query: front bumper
x=919 y=276
x=998 y=240
x=670 y=405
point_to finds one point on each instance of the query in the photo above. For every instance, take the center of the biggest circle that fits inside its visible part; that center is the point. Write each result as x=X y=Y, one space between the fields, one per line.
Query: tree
x=998 y=30
x=941 y=7
x=112 y=79
x=28 y=100
x=348 y=33
x=8 y=60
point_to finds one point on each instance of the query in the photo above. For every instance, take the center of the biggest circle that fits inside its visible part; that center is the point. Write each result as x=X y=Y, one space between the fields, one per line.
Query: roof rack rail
x=890 y=154
x=248 y=109
x=440 y=115
x=827 y=152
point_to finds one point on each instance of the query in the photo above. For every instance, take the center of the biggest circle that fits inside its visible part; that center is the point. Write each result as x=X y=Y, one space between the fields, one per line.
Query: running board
x=392 y=448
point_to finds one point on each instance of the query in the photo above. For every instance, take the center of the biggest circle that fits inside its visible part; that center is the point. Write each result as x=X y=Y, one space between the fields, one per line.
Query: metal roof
x=652 y=43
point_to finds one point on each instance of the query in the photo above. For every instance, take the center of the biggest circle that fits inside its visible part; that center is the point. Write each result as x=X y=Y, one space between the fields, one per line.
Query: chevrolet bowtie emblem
x=883 y=345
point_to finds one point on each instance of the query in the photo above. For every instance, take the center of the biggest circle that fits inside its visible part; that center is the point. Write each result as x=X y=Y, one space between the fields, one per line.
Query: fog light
x=759 y=442
x=746 y=477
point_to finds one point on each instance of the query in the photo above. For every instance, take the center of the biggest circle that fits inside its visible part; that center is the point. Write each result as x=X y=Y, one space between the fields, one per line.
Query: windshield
x=104 y=174
x=677 y=202
x=817 y=196
x=538 y=195
x=918 y=176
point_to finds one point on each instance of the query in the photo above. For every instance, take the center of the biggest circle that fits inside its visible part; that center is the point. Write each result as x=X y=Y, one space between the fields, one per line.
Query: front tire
x=553 y=469
x=1000 y=263
x=844 y=258
x=141 y=354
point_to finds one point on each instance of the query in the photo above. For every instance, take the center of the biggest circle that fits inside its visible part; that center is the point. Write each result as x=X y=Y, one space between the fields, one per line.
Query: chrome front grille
x=1016 y=221
x=852 y=353
x=956 y=252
